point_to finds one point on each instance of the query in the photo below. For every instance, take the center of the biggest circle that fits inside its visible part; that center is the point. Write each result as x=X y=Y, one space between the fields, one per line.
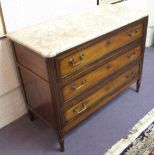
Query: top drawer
x=80 y=58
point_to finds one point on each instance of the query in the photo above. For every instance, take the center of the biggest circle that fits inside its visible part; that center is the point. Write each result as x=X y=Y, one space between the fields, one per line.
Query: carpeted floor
x=94 y=136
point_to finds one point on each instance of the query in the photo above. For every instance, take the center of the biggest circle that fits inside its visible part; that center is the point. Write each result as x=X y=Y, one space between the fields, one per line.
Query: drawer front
x=108 y=88
x=99 y=74
x=74 y=62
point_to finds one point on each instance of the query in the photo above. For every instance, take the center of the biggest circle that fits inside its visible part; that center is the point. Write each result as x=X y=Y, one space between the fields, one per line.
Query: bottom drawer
x=107 y=90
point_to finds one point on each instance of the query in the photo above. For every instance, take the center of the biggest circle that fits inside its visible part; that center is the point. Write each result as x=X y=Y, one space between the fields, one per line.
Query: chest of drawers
x=65 y=89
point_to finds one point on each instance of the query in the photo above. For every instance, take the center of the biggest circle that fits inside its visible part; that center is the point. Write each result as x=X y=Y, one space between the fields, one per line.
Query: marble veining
x=52 y=37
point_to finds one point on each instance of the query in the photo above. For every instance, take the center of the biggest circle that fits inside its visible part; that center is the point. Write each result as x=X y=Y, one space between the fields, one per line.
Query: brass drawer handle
x=132 y=33
x=131 y=54
x=73 y=63
x=132 y=74
x=83 y=82
x=75 y=110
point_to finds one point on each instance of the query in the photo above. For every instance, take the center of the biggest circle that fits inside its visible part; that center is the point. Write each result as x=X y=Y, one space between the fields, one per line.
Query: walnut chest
x=68 y=86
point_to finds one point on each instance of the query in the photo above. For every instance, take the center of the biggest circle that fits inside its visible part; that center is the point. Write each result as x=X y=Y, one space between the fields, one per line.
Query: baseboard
x=12 y=106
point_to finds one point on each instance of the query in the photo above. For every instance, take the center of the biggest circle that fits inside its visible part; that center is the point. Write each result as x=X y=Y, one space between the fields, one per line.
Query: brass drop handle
x=75 y=110
x=132 y=74
x=73 y=63
x=132 y=33
x=83 y=82
x=131 y=54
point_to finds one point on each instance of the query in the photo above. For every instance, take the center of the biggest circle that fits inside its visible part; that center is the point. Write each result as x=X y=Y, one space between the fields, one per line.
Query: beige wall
x=18 y=14
x=1 y=27
x=21 y=13
x=11 y=99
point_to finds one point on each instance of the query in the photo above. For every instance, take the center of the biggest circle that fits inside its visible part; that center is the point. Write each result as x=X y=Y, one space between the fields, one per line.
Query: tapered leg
x=138 y=86
x=61 y=141
x=31 y=115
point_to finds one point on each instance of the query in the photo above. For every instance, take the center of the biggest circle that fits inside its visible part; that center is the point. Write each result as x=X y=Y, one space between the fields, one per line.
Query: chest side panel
x=30 y=60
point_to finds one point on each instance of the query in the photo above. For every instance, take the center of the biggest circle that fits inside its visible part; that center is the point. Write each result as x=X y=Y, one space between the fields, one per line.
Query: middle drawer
x=106 y=90
x=99 y=74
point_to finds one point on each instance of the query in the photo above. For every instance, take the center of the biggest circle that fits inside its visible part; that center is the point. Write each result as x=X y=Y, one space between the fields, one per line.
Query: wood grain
x=99 y=49
x=31 y=61
x=38 y=95
x=108 y=88
x=77 y=121
x=99 y=74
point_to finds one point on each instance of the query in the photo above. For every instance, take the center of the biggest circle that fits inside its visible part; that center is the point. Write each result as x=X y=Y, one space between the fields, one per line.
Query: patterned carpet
x=140 y=141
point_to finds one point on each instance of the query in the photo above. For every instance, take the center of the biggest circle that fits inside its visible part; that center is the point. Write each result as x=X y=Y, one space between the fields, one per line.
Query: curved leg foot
x=31 y=115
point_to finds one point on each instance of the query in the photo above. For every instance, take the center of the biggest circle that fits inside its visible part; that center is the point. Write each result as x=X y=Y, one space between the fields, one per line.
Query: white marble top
x=59 y=34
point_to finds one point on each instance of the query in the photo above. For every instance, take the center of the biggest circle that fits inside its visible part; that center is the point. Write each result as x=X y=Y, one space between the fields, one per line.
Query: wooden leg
x=138 y=85
x=31 y=115
x=61 y=141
